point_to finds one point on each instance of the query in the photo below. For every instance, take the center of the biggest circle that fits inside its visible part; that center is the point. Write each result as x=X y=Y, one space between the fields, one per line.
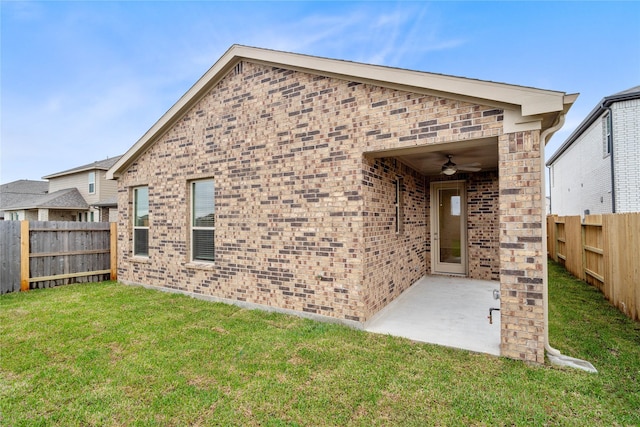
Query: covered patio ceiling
x=428 y=159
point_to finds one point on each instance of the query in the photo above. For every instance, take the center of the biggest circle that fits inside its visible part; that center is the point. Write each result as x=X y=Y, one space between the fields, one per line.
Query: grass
x=108 y=354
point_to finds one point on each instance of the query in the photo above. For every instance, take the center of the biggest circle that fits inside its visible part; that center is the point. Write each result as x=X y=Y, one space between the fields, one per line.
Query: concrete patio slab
x=444 y=310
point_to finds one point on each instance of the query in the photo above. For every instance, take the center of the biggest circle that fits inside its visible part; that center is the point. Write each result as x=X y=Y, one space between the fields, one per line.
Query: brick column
x=521 y=255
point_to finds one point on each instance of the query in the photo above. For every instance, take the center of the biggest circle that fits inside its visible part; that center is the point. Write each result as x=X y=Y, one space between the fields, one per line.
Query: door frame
x=438 y=267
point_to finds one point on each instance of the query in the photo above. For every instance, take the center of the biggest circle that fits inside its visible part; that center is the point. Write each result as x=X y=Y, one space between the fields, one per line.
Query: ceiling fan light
x=449 y=170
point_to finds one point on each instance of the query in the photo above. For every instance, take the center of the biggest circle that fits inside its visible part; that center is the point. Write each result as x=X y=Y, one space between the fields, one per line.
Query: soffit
x=428 y=160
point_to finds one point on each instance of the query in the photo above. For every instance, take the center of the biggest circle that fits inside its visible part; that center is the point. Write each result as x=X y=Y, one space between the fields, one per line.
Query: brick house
x=316 y=186
x=597 y=169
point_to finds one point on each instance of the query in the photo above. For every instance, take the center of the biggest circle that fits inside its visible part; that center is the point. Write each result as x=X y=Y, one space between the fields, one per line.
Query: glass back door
x=448 y=227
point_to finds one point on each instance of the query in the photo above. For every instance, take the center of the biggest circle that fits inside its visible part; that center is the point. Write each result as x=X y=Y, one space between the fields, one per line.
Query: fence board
x=574 y=246
x=623 y=267
x=593 y=250
x=9 y=256
x=551 y=237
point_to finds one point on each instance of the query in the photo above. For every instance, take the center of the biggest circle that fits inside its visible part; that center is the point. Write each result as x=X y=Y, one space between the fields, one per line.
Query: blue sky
x=82 y=81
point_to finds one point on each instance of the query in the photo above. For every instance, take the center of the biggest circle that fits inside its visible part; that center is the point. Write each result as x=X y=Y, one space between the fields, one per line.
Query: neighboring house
x=324 y=187
x=78 y=194
x=14 y=192
x=597 y=169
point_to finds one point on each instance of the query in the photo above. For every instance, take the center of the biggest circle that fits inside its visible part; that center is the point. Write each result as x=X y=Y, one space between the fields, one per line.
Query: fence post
x=114 y=251
x=24 y=255
x=583 y=251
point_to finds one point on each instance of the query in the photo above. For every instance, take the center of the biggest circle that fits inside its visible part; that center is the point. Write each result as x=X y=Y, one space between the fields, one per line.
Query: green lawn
x=108 y=354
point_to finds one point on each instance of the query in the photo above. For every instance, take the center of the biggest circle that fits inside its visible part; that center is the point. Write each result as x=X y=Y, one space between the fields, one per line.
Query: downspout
x=554 y=355
x=607 y=107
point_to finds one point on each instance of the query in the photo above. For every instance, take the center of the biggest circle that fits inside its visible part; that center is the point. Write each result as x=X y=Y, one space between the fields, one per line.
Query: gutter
x=554 y=355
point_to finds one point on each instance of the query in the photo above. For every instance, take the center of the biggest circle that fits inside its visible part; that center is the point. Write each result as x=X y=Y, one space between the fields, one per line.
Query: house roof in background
x=97 y=165
x=525 y=105
x=12 y=192
x=625 y=95
x=69 y=198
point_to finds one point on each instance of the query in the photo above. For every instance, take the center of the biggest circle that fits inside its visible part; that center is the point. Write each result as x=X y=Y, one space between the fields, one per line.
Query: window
x=141 y=221
x=455 y=205
x=202 y=220
x=607 y=140
x=92 y=182
x=398 y=205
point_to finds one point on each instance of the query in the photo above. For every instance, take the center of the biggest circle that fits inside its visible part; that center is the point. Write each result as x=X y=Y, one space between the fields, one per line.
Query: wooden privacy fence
x=604 y=251
x=44 y=254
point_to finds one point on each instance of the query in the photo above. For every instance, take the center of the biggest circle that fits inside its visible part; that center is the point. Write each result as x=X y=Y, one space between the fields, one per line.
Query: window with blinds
x=92 y=182
x=141 y=221
x=202 y=220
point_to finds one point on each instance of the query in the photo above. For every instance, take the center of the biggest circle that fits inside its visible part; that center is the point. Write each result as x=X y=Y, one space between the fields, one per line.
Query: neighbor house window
x=398 y=205
x=141 y=221
x=92 y=182
x=607 y=140
x=202 y=220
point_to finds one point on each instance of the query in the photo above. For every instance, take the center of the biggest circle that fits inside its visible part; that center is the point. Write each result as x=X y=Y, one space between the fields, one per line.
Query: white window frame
x=193 y=228
x=608 y=141
x=92 y=182
x=136 y=226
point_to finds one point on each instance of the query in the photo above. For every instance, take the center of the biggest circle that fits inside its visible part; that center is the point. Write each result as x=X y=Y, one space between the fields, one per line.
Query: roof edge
x=597 y=111
x=529 y=102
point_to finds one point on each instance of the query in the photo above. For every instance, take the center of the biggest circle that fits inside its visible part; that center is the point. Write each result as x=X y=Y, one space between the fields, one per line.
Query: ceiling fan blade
x=466 y=168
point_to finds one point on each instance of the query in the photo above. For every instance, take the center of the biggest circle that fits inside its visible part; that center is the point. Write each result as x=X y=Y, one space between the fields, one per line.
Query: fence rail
x=604 y=251
x=40 y=254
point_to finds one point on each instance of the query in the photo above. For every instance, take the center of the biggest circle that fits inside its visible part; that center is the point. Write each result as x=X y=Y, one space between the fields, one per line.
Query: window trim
x=139 y=227
x=193 y=228
x=92 y=183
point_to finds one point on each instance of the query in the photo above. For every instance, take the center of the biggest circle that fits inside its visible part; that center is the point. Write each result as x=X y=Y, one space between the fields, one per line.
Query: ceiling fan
x=449 y=168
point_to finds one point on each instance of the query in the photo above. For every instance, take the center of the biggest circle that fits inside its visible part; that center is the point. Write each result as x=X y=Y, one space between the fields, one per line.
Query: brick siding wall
x=626 y=134
x=521 y=256
x=392 y=260
x=304 y=219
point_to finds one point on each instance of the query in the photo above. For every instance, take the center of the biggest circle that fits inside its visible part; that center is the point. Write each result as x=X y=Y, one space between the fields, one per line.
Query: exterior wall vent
x=238 y=68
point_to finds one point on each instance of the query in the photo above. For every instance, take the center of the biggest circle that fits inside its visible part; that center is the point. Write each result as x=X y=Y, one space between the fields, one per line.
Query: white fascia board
x=514 y=121
x=533 y=101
